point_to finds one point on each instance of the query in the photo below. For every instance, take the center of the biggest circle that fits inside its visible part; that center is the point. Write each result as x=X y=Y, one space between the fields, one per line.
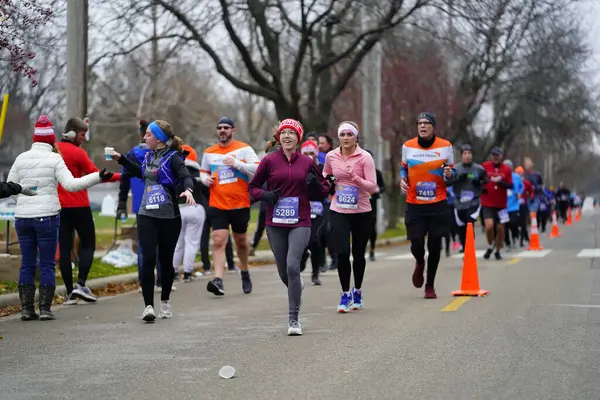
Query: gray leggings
x=288 y=245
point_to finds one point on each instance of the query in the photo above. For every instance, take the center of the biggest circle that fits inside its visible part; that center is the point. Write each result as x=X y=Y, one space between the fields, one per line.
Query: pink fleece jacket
x=354 y=188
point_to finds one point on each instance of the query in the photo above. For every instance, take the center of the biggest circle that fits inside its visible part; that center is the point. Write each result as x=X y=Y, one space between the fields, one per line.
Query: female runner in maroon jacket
x=293 y=179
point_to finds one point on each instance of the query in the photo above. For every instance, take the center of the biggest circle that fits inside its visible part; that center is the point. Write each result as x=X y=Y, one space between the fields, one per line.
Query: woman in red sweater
x=76 y=213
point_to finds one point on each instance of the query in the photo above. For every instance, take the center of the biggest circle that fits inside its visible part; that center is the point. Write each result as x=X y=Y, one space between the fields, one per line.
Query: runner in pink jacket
x=356 y=179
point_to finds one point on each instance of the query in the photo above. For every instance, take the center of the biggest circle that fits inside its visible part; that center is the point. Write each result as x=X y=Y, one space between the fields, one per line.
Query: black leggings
x=343 y=225
x=161 y=233
x=434 y=246
x=315 y=246
x=78 y=219
x=373 y=236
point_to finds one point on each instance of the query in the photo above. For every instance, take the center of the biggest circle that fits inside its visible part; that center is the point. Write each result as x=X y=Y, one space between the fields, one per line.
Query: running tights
x=434 y=246
x=80 y=220
x=288 y=245
x=158 y=233
x=344 y=225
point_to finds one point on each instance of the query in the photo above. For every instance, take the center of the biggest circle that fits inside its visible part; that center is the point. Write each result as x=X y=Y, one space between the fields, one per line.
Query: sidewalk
x=262 y=257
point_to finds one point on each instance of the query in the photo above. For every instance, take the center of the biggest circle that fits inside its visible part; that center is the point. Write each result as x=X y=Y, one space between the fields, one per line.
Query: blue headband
x=158 y=133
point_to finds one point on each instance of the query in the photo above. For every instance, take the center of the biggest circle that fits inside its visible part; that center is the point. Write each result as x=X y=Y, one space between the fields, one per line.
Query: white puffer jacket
x=42 y=168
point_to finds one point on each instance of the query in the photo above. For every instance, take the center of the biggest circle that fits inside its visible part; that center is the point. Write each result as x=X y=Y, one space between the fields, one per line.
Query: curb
x=101 y=283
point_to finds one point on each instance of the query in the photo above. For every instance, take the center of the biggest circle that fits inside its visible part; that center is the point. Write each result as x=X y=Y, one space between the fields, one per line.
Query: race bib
x=346 y=196
x=155 y=196
x=543 y=207
x=286 y=210
x=466 y=196
x=226 y=175
x=503 y=216
x=426 y=191
x=316 y=209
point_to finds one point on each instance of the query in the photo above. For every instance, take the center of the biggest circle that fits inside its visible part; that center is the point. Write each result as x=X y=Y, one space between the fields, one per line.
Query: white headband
x=347 y=127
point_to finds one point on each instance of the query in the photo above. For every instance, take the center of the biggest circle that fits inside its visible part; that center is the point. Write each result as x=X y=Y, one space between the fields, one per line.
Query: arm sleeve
x=125 y=184
x=65 y=178
x=327 y=170
x=134 y=169
x=255 y=187
x=250 y=163
x=7 y=190
x=183 y=174
x=404 y=164
x=323 y=189
x=369 y=184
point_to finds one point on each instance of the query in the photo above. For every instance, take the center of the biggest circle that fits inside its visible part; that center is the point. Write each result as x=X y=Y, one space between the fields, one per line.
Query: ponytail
x=176 y=144
x=273 y=142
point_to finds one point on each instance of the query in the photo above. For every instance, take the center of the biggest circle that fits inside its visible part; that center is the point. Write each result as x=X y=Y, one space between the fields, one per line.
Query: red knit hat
x=293 y=125
x=309 y=147
x=44 y=131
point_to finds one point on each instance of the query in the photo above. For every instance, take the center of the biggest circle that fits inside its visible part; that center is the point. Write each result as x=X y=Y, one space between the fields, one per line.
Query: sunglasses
x=223 y=128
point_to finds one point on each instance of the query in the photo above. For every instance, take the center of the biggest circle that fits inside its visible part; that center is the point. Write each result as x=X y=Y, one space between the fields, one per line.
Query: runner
x=227 y=168
x=427 y=163
x=512 y=207
x=563 y=197
x=350 y=211
x=374 y=200
x=316 y=248
x=136 y=155
x=37 y=218
x=159 y=218
x=494 y=200
x=192 y=221
x=526 y=197
x=76 y=214
x=535 y=178
x=468 y=183
x=293 y=179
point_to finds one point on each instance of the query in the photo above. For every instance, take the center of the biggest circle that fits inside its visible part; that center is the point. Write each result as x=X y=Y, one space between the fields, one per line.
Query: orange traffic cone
x=555 y=233
x=578 y=214
x=534 y=237
x=470 y=278
x=569 y=217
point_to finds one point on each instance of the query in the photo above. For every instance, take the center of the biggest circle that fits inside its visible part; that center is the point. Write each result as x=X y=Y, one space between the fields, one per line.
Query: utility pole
x=155 y=66
x=371 y=108
x=77 y=65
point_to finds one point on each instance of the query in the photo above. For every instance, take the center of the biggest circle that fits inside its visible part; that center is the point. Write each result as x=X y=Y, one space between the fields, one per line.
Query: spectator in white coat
x=37 y=217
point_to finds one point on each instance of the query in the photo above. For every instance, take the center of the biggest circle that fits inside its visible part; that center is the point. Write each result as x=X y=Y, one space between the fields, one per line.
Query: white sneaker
x=148 y=315
x=165 y=310
x=294 y=328
x=173 y=288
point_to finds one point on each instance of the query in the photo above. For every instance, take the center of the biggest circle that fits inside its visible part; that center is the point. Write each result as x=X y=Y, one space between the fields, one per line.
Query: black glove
x=331 y=179
x=270 y=196
x=105 y=176
x=311 y=180
x=122 y=209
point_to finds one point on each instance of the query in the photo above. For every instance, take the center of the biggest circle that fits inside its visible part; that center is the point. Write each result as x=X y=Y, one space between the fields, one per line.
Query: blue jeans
x=141 y=264
x=38 y=238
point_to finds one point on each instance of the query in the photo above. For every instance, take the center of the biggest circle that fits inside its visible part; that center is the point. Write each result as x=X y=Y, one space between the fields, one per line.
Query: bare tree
x=319 y=35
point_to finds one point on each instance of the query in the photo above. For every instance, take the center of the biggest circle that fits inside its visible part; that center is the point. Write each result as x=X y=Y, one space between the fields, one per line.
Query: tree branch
x=220 y=67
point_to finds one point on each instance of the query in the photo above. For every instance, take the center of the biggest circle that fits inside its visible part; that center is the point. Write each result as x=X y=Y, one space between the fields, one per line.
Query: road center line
x=456 y=303
x=514 y=261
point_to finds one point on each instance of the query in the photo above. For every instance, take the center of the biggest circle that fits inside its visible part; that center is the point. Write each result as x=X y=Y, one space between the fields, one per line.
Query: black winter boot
x=46 y=296
x=27 y=297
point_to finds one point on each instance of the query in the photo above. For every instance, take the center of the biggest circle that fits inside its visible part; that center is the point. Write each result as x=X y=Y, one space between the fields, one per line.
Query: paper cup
x=108 y=152
x=227 y=372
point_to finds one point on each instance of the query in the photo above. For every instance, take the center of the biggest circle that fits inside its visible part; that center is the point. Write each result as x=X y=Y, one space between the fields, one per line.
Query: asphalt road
x=534 y=337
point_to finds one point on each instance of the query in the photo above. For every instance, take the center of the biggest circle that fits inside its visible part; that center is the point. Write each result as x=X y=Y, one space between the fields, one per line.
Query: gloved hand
x=28 y=192
x=311 y=179
x=122 y=209
x=270 y=196
x=105 y=176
